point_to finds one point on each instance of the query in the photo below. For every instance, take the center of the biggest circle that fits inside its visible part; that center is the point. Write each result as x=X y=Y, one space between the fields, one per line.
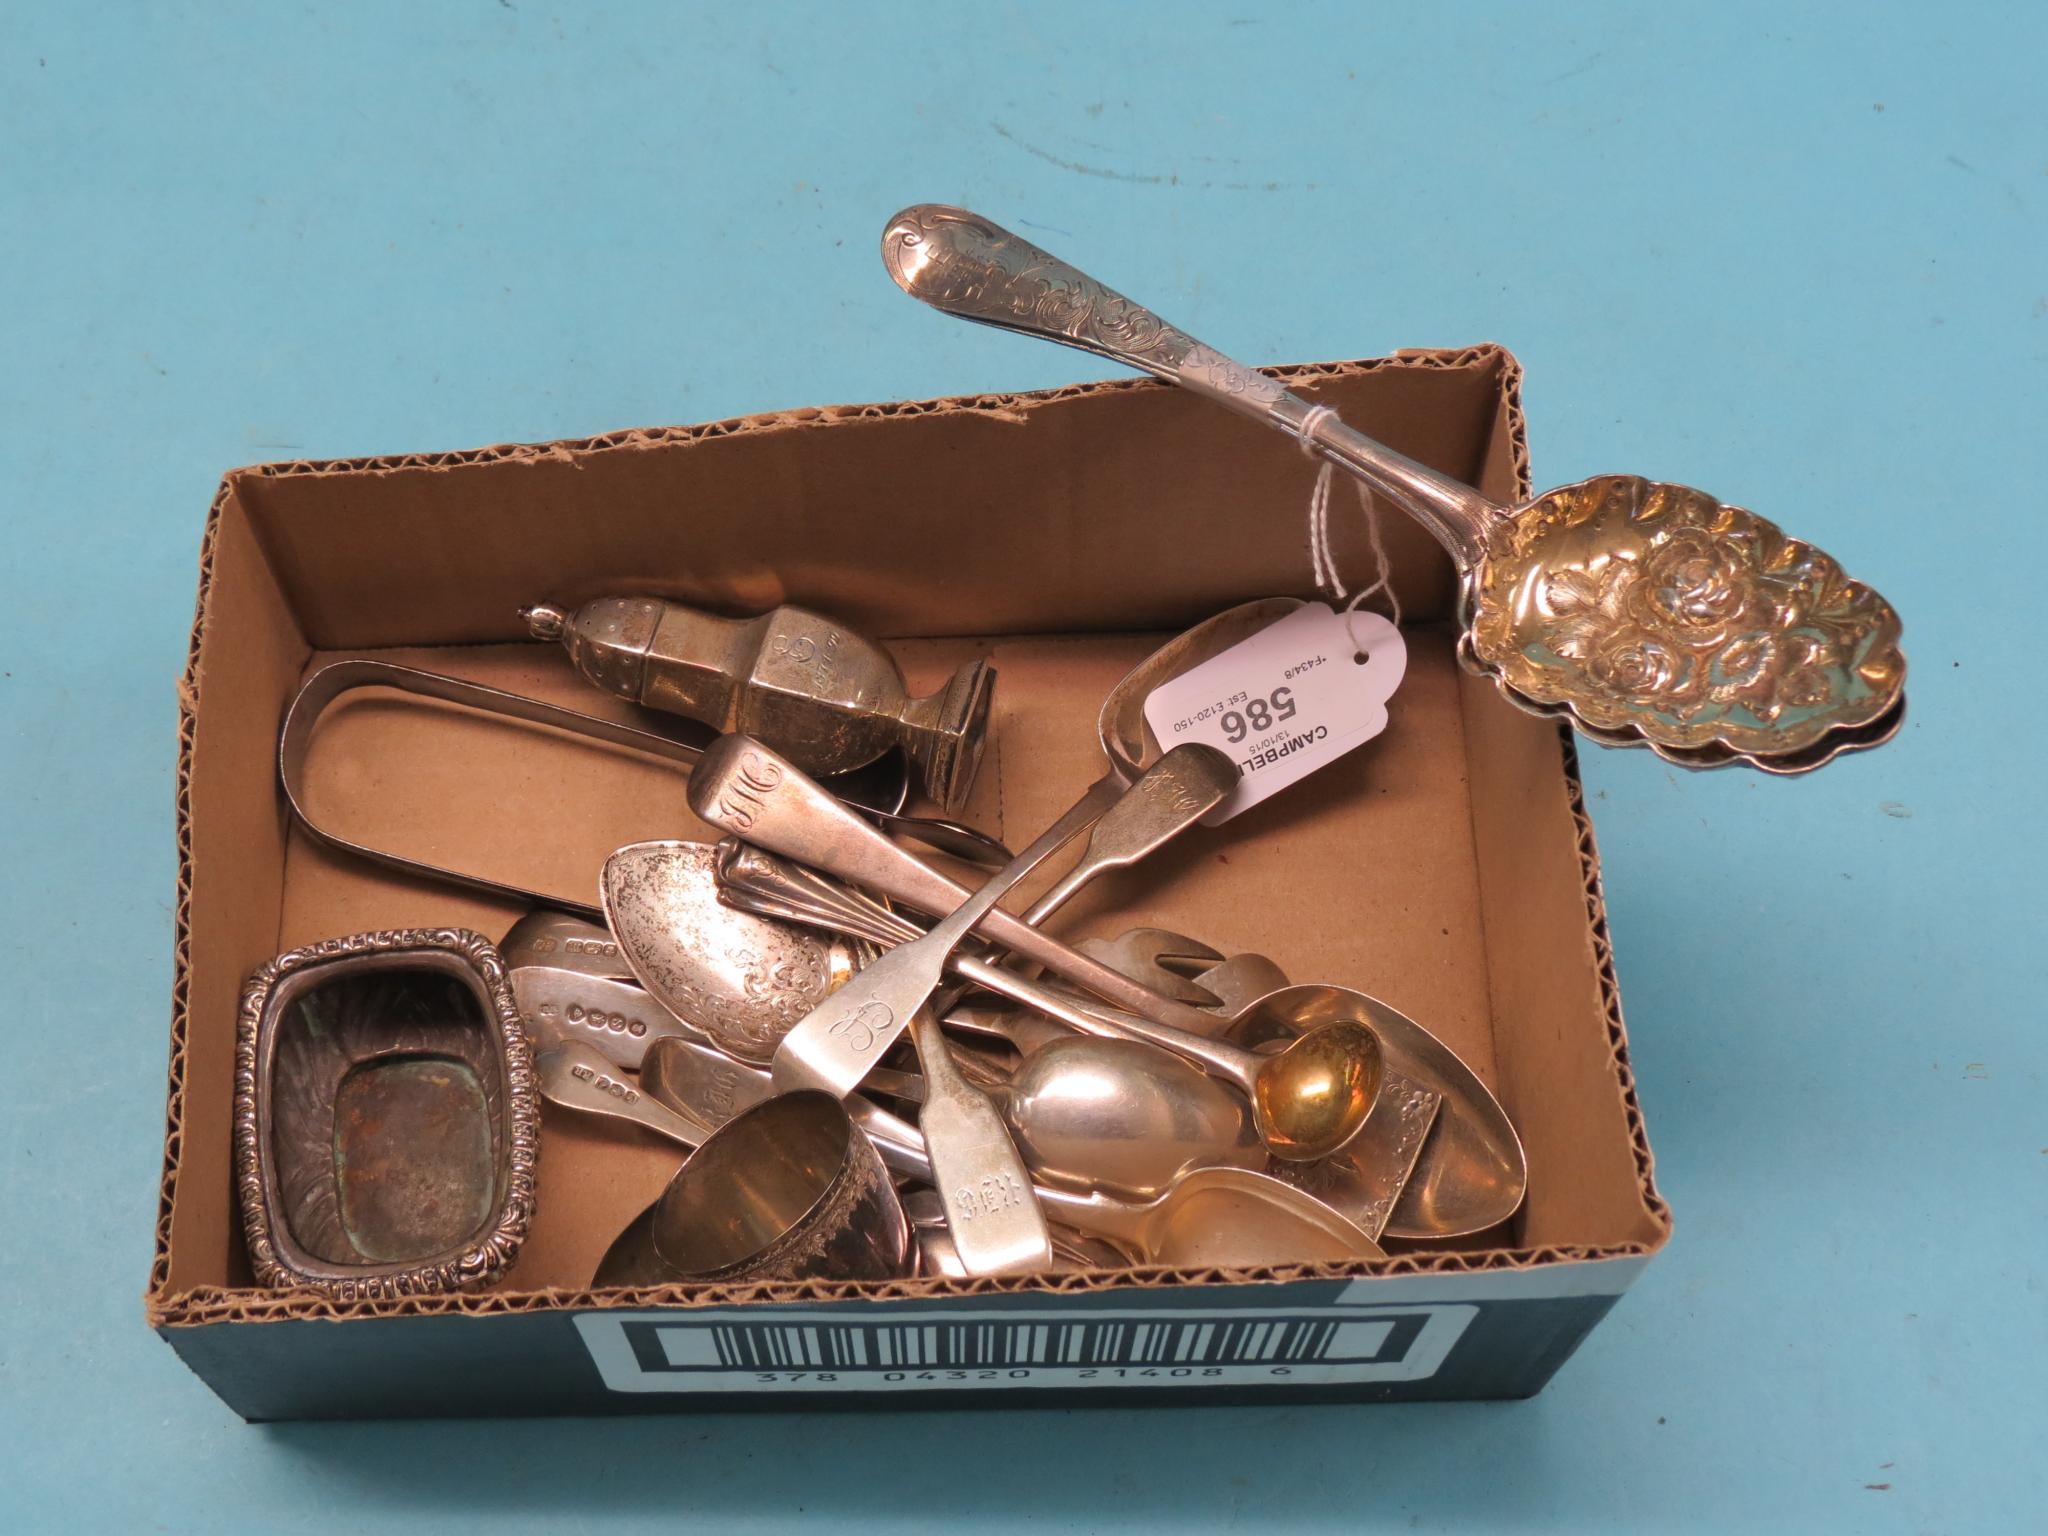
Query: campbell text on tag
x=1286 y=701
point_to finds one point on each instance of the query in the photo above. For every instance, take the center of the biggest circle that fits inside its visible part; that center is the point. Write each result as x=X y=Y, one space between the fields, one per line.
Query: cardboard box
x=1448 y=867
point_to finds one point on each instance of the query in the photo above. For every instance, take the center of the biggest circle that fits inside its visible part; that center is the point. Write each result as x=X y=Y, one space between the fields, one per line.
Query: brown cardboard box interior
x=1440 y=867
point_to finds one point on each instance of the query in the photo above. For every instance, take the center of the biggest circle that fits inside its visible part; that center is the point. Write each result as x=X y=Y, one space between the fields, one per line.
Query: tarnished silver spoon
x=742 y=981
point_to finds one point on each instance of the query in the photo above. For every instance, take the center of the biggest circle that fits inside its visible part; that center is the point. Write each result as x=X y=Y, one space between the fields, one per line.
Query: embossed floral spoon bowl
x=1647 y=614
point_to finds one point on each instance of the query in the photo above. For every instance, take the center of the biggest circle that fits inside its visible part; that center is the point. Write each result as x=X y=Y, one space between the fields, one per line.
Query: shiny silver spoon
x=1472 y=1173
x=1121 y=1117
x=1646 y=614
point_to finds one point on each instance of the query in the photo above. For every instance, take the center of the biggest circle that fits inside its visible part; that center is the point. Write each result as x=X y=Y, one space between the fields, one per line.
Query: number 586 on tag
x=1259 y=714
x=1296 y=695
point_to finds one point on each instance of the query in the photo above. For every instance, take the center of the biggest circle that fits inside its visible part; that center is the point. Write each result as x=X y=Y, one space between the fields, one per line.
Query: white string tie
x=1321 y=557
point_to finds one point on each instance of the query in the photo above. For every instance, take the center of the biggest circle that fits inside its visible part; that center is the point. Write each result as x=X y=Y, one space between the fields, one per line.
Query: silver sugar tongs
x=878 y=791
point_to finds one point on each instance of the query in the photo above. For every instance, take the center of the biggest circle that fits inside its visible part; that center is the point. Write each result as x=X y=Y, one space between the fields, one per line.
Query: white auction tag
x=1291 y=698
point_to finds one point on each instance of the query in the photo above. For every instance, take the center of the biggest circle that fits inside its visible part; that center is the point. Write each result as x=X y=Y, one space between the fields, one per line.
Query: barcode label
x=854 y=1347
x=720 y=1350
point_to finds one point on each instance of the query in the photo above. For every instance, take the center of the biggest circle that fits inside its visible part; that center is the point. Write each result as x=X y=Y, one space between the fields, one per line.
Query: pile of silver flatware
x=1144 y=1098
x=872 y=1068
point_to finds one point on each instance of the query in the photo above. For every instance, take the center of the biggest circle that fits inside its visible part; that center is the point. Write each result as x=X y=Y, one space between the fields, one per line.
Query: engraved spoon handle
x=998 y=1227
x=962 y=263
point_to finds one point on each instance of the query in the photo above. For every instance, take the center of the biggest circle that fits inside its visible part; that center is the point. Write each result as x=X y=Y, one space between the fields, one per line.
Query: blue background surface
x=1795 y=255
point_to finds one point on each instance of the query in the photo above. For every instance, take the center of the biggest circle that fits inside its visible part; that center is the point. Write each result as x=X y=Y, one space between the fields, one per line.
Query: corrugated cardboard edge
x=1010 y=407
x=1610 y=997
x=1589 y=869
x=181 y=922
x=209 y=1305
